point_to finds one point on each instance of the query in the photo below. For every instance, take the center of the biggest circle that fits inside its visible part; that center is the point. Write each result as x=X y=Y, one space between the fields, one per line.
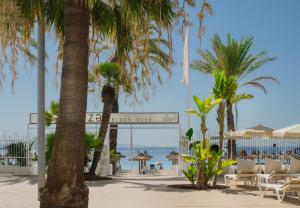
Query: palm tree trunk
x=203 y=130
x=65 y=182
x=113 y=132
x=220 y=119
x=230 y=127
x=107 y=109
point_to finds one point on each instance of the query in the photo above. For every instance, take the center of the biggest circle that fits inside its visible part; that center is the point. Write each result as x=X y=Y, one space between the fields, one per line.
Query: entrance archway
x=126 y=121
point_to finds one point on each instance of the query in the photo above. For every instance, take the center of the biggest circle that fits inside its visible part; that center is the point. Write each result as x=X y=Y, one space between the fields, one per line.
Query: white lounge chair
x=249 y=178
x=272 y=166
x=292 y=185
x=245 y=172
x=294 y=166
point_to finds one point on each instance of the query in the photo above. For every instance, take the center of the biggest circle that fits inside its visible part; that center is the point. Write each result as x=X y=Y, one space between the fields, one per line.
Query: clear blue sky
x=275 y=27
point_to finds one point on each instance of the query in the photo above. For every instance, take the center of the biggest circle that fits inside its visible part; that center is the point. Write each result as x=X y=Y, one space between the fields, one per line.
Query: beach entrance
x=130 y=125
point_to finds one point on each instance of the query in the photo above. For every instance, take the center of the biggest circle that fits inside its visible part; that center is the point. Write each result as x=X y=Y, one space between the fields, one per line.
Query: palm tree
x=68 y=189
x=235 y=59
x=111 y=73
x=225 y=88
x=134 y=50
x=14 y=42
x=64 y=186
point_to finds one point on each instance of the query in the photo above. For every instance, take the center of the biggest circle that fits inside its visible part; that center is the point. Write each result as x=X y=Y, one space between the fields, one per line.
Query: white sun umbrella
x=288 y=132
x=246 y=133
x=256 y=131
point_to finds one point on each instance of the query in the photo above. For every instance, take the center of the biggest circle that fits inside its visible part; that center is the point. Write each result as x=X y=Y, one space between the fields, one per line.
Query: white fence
x=17 y=154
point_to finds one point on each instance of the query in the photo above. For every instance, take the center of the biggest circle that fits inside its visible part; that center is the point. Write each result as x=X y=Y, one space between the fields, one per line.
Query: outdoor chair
x=275 y=172
x=292 y=185
x=272 y=165
x=246 y=172
x=294 y=166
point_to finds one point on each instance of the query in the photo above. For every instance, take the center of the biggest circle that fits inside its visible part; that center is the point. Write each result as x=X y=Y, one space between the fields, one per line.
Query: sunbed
x=292 y=185
x=249 y=178
x=245 y=172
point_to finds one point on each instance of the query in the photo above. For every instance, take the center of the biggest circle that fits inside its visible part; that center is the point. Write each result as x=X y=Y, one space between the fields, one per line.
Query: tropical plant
x=225 y=88
x=90 y=143
x=68 y=189
x=190 y=173
x=204 y=107
x=235 y=59
x=49 y=146
x=206 y=159
x=136 y=47
x=52 y=113
x=111 y=73
x=13 y=42
x=71 y=20
x=189 y=134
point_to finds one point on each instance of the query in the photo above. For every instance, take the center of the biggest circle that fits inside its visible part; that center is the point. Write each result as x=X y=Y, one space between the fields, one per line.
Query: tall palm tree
x=70 y=19
x=133 y=50
x=235 y=59
x=111 y=73
x=68 y=189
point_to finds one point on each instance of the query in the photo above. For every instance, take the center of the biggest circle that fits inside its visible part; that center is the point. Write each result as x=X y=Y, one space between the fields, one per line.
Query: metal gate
x=17 y=153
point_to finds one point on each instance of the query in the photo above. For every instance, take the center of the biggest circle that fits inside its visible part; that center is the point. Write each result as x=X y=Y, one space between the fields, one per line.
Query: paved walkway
x=141 y=192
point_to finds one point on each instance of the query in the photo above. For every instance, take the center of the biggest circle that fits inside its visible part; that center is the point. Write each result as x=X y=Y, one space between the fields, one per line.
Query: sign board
x=125 y=118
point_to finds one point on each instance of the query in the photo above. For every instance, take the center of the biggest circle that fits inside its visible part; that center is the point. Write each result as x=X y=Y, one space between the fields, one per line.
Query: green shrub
x=91 y=141
x=49 y=146
x=206 y=161
x=190 y=174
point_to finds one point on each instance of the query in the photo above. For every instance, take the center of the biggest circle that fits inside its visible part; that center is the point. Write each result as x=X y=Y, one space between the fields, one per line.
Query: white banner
x=125 y=118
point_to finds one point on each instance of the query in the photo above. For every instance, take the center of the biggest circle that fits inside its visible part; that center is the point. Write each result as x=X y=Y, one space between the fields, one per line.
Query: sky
x=275 y=28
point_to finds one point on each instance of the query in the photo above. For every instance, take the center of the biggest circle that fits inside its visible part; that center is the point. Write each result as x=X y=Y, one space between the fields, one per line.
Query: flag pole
x=41 y=105
x=185 y=78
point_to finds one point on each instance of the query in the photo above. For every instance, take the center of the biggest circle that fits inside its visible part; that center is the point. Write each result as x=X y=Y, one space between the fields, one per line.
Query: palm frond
x=239 y=97
x=266 y=78
x=256 y=85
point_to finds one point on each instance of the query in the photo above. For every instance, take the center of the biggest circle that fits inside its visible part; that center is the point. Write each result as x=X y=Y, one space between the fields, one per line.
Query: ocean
x=158 y=153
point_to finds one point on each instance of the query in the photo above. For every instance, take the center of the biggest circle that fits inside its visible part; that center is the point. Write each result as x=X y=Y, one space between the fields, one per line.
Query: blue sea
x=158 y=153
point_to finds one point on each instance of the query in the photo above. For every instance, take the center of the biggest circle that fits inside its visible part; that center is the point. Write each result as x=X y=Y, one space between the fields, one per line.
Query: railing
x=17 y=153
x=256 y=147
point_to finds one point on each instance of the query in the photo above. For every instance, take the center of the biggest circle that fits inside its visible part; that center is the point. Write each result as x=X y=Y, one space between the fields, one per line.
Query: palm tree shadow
x=11 y=179
x=149 y=179
x=155 y=187
x=99 y=183
x=242 y=190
